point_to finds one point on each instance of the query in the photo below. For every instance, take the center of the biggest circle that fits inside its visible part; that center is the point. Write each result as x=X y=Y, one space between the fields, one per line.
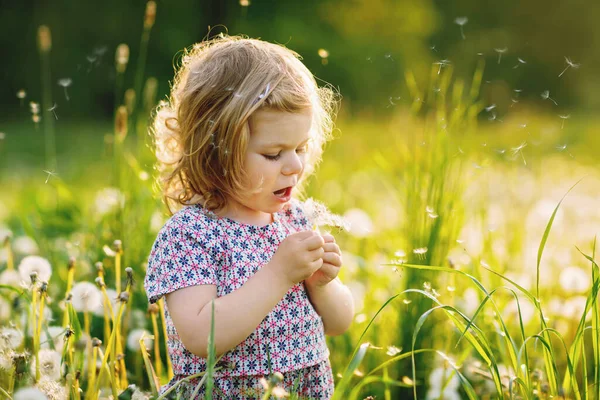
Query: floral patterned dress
x=195 y=247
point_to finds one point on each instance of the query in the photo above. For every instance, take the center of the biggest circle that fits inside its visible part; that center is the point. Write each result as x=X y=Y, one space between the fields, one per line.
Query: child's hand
x=298 y=257
x=332 y=262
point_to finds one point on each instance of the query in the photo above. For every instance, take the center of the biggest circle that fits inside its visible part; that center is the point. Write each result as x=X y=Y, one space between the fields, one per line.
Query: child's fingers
x=333 y=259
x=328 y=238
x=332 y=248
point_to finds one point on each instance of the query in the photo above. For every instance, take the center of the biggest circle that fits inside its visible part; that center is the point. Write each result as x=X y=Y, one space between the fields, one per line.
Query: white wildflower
x=10 y=338
x=574 y=280
x=25 y=245
x=31 y=264
x=108 y=199
x=133 y=339
x=49 y=364
x=86 y=297
x=360 y=222
x=10 y=277
x=114 y=301
x=29 y=393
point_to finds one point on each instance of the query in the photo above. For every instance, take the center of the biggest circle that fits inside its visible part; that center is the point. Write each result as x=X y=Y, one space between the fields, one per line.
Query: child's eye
x=272 y=158
x=302 y=149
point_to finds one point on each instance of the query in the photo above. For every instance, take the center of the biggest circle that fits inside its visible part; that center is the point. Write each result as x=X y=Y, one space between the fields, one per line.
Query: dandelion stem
x=10 y=263
x=157 y=359
x=161 y=307
x=92 y=372
x=36 y=339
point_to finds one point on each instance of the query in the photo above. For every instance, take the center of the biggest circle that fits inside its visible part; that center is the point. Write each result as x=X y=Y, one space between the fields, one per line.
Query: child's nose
x=293 y=165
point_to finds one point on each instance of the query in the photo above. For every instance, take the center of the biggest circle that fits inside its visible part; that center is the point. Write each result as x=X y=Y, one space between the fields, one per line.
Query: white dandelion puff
x=85 y=297
x=51 y=388
x=439 y=376
x=319 y=215
x=10 y=338
x=108 y=200
x=37 y=264
x=114 y=301
x=10 y=277
x=49 y=364
x=570 y=64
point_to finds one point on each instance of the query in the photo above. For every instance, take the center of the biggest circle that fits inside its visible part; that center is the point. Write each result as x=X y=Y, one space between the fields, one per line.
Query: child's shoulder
x=192 y=220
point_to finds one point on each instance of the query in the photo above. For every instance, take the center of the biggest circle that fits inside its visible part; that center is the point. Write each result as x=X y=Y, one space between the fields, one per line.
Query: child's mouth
x=283 y=194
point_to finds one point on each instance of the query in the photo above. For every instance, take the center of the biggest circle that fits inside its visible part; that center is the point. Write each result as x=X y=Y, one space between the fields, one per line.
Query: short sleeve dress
x=195 y=247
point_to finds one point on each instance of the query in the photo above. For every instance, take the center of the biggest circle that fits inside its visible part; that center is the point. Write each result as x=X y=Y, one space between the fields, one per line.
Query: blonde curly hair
x=201 y=133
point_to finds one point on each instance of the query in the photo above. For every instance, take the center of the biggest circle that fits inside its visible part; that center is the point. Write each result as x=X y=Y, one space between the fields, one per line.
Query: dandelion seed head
x=10 y=338
x=244 y=3
x=86 y=297
x=49 y=361
x=34 y=264
x=133 y=339
x=21 y=94
x=29 y=393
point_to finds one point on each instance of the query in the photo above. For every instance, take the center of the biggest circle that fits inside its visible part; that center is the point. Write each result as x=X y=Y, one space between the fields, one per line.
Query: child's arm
x=330 y=297
x=239 y=313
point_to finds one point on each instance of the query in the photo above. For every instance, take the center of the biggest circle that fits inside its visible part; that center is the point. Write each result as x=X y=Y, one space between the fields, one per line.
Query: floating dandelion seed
x=570 y=64
x=546 y=96
x=391 y=101
x=420 y=252
x=500 y=52
x=65 y=83
x=514 y=101
x=564 y=117
x=461 y=21
x=433 y=48
x=442 y=63
x=244 y=3
x=490 y=108
x=520 y=61
x=54 y=107
x=519 y=150
x=50 y=173
x=563 y=147
x=324 y=54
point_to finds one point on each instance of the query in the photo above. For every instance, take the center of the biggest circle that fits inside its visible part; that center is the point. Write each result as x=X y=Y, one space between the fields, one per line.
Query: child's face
x=274 y=162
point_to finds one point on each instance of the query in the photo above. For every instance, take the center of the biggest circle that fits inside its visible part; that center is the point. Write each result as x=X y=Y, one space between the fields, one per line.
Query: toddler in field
x=244 y=126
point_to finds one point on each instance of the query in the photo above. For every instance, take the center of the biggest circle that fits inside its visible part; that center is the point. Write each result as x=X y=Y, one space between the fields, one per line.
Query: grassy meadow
x=471 y=252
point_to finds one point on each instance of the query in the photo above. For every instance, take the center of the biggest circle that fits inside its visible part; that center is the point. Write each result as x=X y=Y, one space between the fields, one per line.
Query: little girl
x=244 y=126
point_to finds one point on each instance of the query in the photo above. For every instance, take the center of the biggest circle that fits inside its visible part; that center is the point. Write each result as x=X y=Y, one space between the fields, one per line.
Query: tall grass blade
x=340 y=390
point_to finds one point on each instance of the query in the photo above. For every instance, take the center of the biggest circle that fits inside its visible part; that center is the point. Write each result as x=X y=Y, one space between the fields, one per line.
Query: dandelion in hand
x=546 y=96
x=461 y=21
x=570 y=64
x=318 y=215
x=500 y=52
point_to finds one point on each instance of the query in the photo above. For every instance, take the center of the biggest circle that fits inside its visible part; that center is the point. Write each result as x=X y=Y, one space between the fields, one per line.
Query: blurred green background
x=433 y=165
